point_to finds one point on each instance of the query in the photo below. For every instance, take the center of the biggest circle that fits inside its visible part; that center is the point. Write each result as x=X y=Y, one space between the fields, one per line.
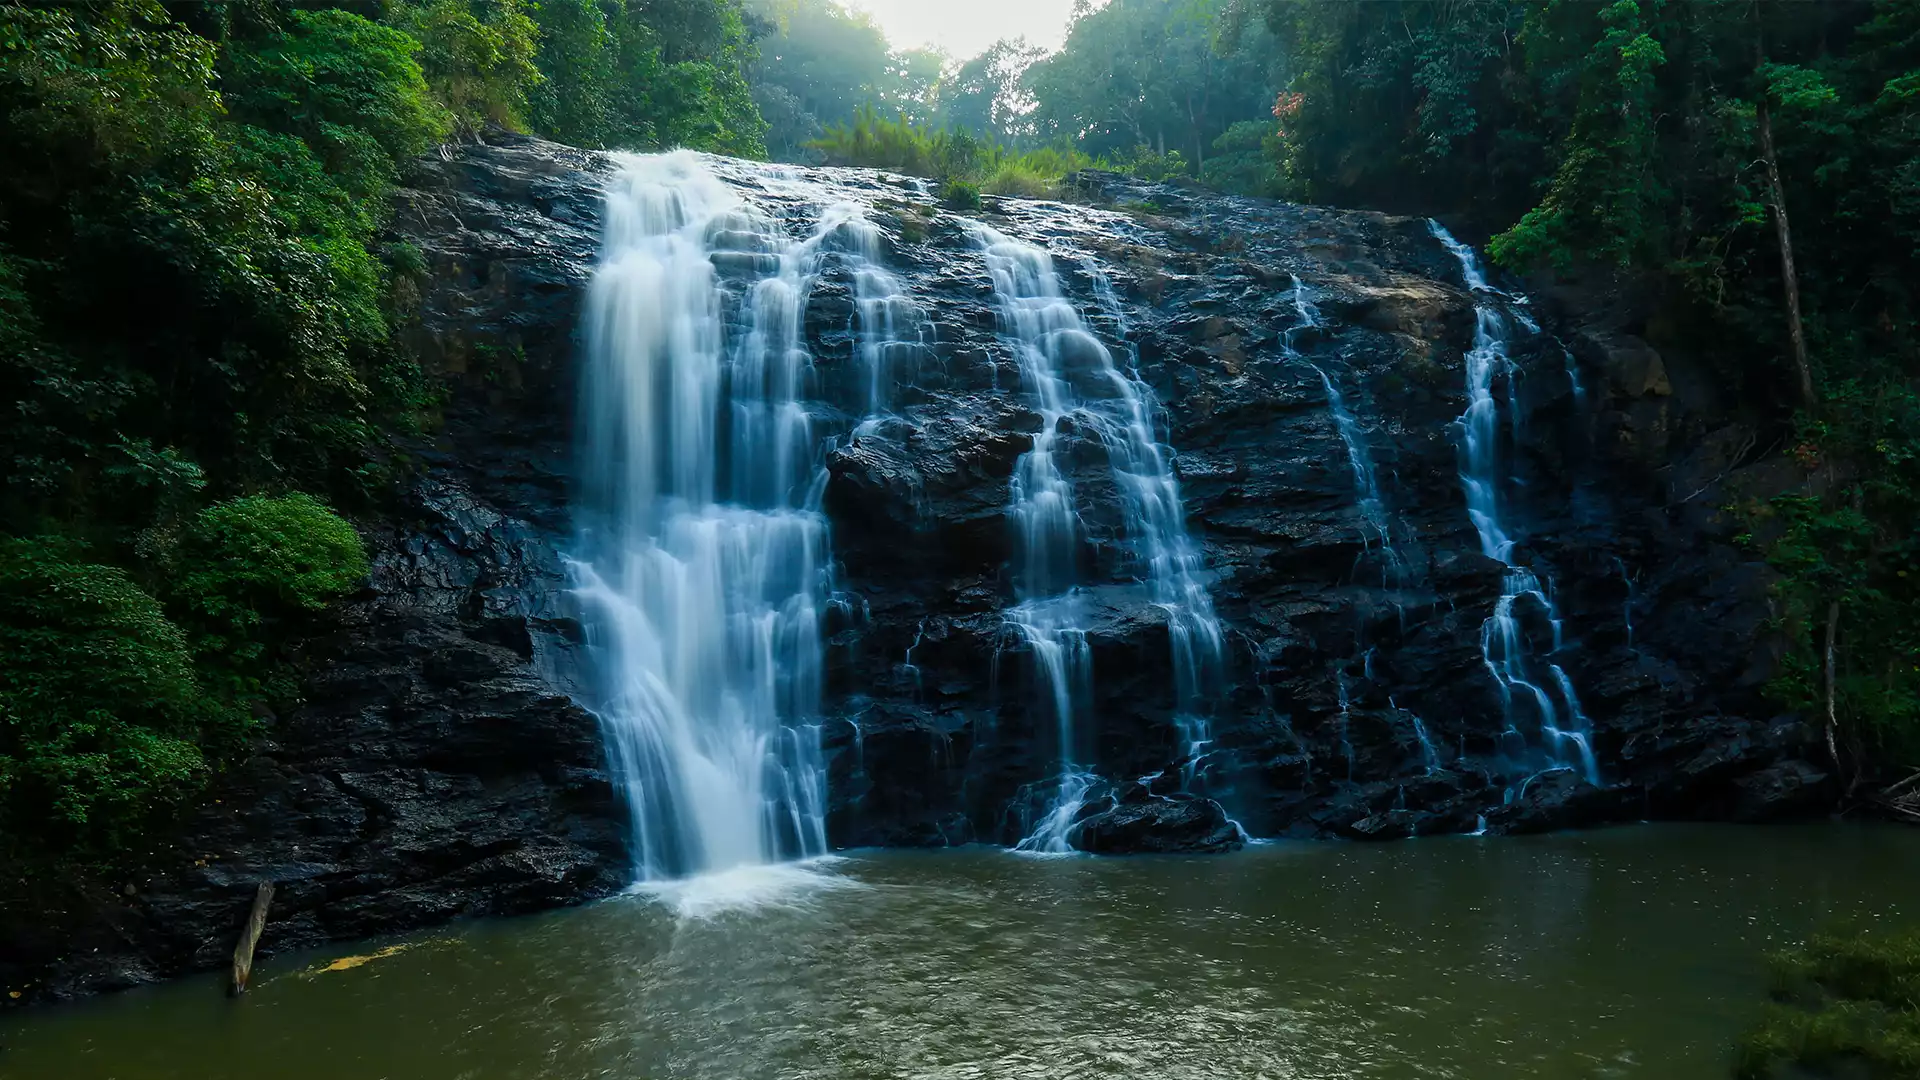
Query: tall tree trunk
x=1193 y=125
x=1790 y=278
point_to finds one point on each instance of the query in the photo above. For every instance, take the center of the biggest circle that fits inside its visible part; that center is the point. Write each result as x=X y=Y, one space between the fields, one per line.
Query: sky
x=966 y=27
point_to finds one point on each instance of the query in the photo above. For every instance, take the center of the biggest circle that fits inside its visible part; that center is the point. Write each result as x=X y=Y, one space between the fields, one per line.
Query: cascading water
x=1503 y=640
x=884 y=315
x=1365 y=479
x=1157 y=521
x=703 y=563
x=1073 y=381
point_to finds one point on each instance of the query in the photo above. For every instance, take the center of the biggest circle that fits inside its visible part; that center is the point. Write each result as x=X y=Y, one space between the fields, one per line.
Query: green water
x=1624 y=953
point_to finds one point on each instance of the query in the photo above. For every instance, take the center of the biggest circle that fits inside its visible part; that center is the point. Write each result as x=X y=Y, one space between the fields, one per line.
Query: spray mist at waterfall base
x=793 y=886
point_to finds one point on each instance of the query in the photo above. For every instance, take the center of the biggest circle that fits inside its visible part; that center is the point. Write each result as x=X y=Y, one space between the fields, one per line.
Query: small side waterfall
x=883 y=316
x=1366 y=481
x=703 y=563
x=1504 y=643
x=1075 y=385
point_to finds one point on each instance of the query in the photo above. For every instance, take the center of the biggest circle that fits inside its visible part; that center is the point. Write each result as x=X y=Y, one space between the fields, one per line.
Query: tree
x=817 y=64
x=1150 y=73
x=100 y=708
x=987 y=95
x=477 y=55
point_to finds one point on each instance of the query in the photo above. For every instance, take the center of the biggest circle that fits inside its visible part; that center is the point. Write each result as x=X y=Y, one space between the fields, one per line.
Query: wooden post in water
x=250 y=937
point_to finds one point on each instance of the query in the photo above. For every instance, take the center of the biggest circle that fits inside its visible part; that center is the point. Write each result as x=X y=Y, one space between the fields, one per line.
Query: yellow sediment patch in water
x=347 y=963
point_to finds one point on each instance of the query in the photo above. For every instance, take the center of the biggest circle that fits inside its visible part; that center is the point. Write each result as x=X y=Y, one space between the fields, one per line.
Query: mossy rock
x=1847 y=1007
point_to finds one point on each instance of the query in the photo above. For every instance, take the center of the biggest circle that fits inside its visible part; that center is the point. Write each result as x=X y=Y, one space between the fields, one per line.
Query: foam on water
x=790 y=886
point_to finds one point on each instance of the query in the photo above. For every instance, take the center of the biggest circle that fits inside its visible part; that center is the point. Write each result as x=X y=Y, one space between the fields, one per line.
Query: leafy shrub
x=248 y=566
x=1018 y=179
x=332 y=77
x=1845 y=1002
x=99 y=705
x=949 y=156
x=1155 y=167
x=960 y=195
x=1243 y=160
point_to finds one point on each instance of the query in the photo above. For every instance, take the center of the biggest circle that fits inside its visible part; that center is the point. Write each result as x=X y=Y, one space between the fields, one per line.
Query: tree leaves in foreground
x=197 y=328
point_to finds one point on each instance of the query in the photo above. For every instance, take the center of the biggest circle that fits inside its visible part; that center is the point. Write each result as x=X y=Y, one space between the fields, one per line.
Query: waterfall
x=1074 y=383
x=1504 y=644
x=1365 y=479
x=702 y=562
x=883 y=313
x=1626 y=606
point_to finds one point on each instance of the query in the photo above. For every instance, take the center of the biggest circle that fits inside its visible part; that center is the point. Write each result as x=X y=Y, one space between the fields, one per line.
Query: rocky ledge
x=433 y=771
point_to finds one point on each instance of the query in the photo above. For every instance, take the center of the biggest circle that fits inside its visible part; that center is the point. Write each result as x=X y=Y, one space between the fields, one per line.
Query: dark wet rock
x=1562 y=799
x=1339 y=654
x=1386 y=825
x=1143 y=824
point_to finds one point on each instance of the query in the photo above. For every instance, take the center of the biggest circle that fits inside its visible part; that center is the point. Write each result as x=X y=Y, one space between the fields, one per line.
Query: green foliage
x=960 y=195
x=338 y=82
x=1243 y=160
x=1848 y=1005
x=989 y=96
x=1400 y=103
x=476 y=55
x=1141 y=85
x=577 y=55
x=246 y=568
x=1138 y=74
x=820 y=62
x=1155 y=167
x=1624 y=139
x=646 y=75
x=100 y=709
x=1602 y=202
x=873 y=141
x=956 y=156
x=1855 y=544
x=181 y=281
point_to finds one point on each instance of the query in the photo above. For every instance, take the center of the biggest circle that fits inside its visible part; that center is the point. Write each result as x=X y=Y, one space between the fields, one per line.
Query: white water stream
x=702 y=561
x=1075 y=386
x=1504 y=644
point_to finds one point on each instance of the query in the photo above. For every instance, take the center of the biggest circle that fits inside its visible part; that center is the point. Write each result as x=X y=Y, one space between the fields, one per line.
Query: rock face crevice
x=439 y=768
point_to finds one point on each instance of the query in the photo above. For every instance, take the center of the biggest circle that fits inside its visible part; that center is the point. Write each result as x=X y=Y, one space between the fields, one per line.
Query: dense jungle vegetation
x=198 y=306
x=197 y=338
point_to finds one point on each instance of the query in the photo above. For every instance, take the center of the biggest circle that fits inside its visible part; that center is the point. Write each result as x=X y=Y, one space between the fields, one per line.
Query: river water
x=1625 y=953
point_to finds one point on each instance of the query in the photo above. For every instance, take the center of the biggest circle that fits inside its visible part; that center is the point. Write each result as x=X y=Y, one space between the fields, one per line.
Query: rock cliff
x=438 y=767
